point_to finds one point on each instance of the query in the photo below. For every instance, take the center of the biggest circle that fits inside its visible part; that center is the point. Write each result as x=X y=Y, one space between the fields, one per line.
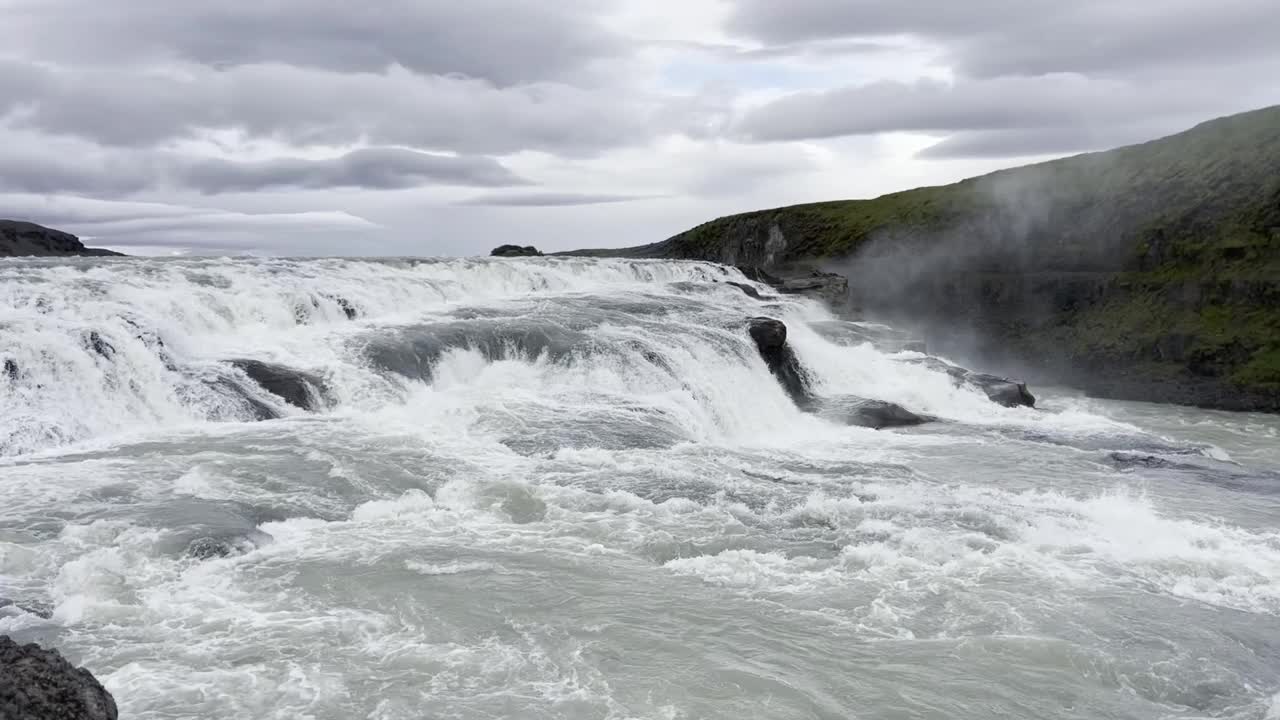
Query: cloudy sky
x=445 y=127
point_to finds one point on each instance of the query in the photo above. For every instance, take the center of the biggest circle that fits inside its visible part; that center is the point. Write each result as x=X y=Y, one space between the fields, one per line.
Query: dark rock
x=515 y=251
x=770 y=337
x=100 y=345
x=38 y=684
x=300 y=389
x=830 y=288
x=756 y=274
x=11 y=368
x=348 y=309
x=1009 y=393
x=19 y=238
x=919 y=346
x=210 y=547
x=207 y=548
x=875 y=414
x=750 y=291
x=1002 y=390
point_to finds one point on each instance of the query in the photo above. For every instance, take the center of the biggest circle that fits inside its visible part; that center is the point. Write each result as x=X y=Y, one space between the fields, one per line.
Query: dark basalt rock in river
x=876 y=414
x=210 y=547
x=1009 y=393
x=770 y=337
x=38 y=684
x=746 y=289
x=1001 y=390
x=515 y=251
x=300 y=389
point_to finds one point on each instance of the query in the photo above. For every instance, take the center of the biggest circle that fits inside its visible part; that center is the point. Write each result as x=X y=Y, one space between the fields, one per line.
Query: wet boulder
x=515 y=251
x=770 y=337
x=39 y=684
x=747 y=290
x=300 y=389
x=1001 y=390
x=875 y=414
x=1006 y=392
x=212 y=547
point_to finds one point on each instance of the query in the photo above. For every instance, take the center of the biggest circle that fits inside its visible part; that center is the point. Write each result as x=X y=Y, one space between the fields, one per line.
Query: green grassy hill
x=1150 y=271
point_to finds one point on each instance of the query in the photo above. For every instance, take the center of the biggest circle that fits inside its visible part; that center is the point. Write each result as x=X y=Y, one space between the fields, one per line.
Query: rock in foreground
x=38 y=684
x=516 y=251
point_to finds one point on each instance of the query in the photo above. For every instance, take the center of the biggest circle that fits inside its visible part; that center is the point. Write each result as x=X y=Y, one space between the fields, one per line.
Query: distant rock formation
x=516 y=251
x=18 y=238
x=39 y=684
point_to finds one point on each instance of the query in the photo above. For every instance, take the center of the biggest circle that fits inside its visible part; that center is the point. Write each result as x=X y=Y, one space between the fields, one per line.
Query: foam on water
x=571 y=488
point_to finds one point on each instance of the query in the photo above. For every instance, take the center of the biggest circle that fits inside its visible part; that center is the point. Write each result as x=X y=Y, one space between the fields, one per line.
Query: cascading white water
x=101 y=349
x=557 y=487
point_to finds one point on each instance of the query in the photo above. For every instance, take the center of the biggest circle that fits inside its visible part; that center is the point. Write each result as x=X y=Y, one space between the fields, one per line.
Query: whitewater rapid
x=554 y=488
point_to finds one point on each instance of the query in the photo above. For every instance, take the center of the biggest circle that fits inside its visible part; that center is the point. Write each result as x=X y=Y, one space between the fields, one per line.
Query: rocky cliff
x=19 y=238
x=1147 y=272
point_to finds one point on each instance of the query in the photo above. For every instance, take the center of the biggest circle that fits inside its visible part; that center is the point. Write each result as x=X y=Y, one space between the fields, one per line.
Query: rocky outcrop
x=875 y=414
x=299 y=389
x=18 y=238
x=1009 y=393
x=746 y=289
x=515 y=251
x=770 y=337
x=1001 y=390
x=830 y=288
x=39 y=684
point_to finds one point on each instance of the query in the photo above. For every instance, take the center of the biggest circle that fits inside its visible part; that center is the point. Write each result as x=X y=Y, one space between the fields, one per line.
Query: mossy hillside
x=1177 y=241
x=1207 y=194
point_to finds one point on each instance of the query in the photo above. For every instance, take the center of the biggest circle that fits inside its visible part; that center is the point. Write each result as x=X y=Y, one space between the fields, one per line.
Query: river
x=570 y=488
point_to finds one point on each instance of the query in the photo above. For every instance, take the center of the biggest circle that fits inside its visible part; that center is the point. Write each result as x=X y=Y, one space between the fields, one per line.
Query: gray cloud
x=549 y=199
x=1024 y=111
x=314 y=107
x=370 y=168
x=147 y=224
x=67 y=166
x=987 y=38
x=1044 y=141
x=504 y=41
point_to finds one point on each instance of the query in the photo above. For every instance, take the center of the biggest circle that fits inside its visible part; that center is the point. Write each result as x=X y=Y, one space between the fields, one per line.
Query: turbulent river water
x=570 y=488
